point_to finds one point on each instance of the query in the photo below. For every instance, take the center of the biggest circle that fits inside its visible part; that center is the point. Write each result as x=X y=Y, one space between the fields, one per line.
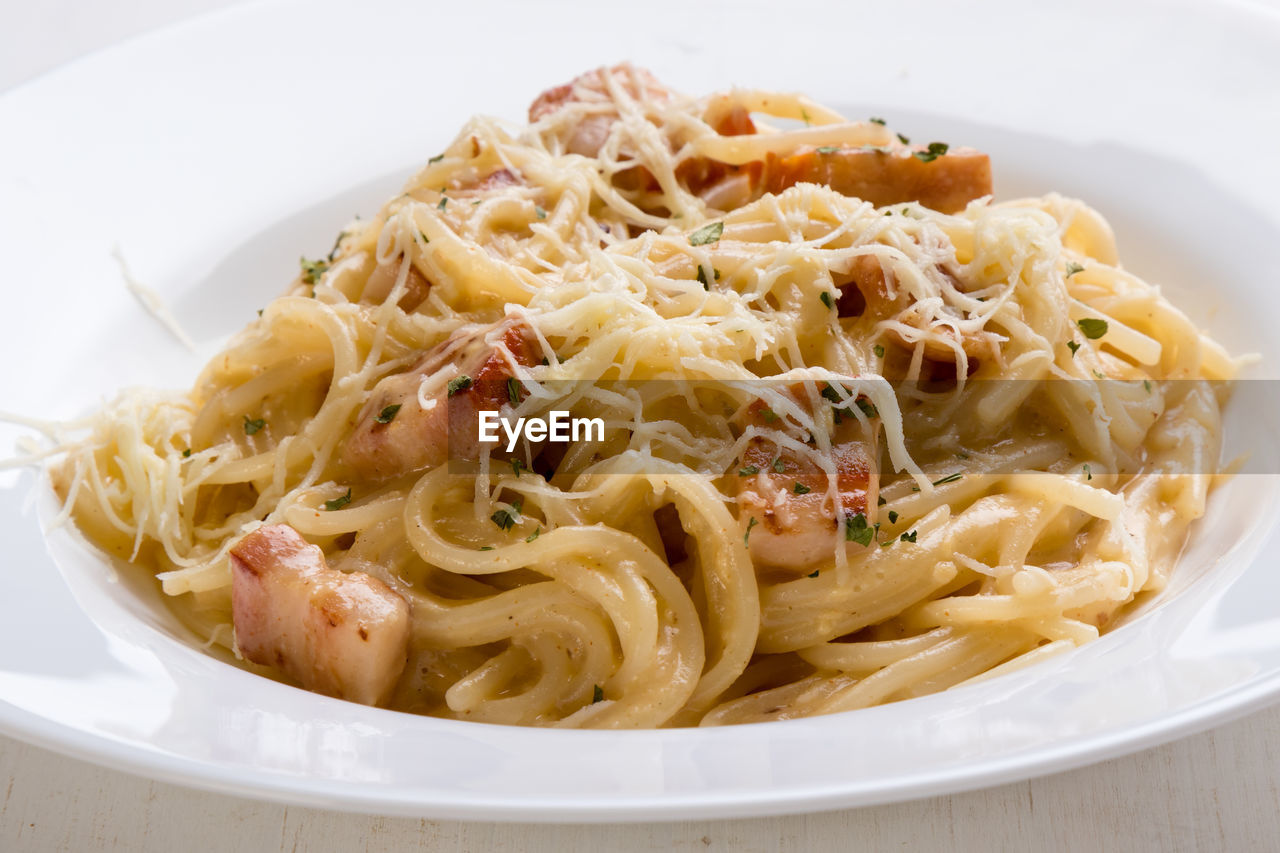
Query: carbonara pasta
x=851 y=432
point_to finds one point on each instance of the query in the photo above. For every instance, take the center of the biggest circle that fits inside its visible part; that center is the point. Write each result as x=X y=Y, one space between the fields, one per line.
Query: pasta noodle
x=864 y=433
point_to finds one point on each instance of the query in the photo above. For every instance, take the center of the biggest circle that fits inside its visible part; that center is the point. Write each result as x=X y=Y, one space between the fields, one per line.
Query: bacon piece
x=796 y=529
x=589 y=134
x=415 y=438
x=886 y=176
x=383 y=279
x=342 y=634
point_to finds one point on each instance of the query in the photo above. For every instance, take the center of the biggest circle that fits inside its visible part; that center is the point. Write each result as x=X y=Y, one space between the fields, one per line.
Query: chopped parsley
x=486 y=547
x=423 y=235
x=702 y=278
x=779 y=465
x=388 y=414
x=950 y=478
x=825 y=296
x=1092 y=327
x=312 y=270
x=800 y=488
x=1073 y=268
x=868 y=408
x=597 y=694
x=876 y=120
x=1073 y=346
x=444 y=201
x=706 y=234
x=516 y=465
x=541 y=214
x=251 y=427
x=508 y=518
x=534 y=535
x=813 y=574
x=828 y=149
x=746 y=537
x=769 y=415
x=459 y=383
x=908 y=537
x=893 y=517
x=878 y=350
x=1146 y=383
x=857 y=530
x=748 y=471
x=513 y=389
x=880 y=501
x=338 y=502
x=1088 y=472
x=804 y=115
x=903 y=139
x=932 y=152
x=436 y=159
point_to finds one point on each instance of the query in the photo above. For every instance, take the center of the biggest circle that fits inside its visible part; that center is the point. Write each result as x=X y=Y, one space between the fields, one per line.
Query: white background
x=1217 y=790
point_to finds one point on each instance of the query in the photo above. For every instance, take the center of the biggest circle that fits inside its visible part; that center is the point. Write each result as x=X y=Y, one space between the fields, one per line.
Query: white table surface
x=1217 y=790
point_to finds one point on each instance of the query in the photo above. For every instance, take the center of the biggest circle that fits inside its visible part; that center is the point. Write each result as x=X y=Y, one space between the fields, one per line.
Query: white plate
x=217 y=152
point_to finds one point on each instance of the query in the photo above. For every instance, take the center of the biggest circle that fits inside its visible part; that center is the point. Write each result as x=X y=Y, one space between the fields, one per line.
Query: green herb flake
x=338 y=502
x=1073 y=346
x=903 y=139
x=541 y=214
x=186 y=454
x=388 y=414
x=1146 y=383
x=828 y=149
x=534 y=535
x=459 y=383
x=868 y=408
x=516 y=465
x=800 y=488
x=950 y=478
x=312 y=270
x=423 y=235
x=878 y=349
x=779 y=465
x=597 y=694
x=1092 y=327
x=444 y=201
x=880 y=501
x=251 y=427
x=436 y=159
x=513 y=389
x=486 y=547
x=746 y=537
x=1073 y=268
x=508 y=518
x=825 y=296
x=259 y=312
x=1088 y=472
x=769 y=415
x=804 y=115
x=702 y=279
x=857 y=530
x=813 y=574
x=748 y=471
x=908 y=537
x=893 y=517
x=932 y=152
x=876 y=120
x=707 y=234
